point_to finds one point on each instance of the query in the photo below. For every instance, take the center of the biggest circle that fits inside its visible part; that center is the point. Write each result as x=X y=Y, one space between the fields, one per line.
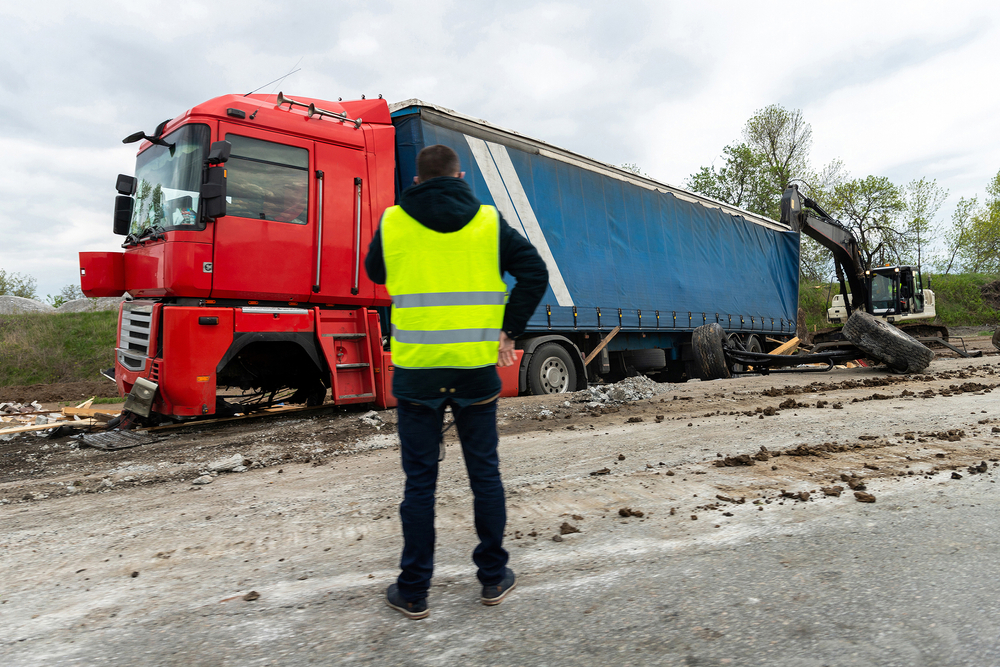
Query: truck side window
x=267 y=180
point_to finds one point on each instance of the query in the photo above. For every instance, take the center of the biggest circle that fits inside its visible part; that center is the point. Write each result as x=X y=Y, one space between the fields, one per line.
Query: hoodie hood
x=443 y=204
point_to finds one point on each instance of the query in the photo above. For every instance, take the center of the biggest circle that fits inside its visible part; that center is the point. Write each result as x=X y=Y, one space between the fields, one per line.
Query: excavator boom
x=804 y=215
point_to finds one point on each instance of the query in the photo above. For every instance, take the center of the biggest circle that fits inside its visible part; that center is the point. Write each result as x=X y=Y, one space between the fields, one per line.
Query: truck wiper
x=156 y=231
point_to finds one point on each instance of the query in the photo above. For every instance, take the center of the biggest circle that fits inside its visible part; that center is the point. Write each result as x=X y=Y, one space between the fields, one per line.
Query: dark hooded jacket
x=447 y=205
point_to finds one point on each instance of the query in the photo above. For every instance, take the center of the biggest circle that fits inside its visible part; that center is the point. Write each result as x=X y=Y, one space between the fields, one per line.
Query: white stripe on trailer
x=508 y=194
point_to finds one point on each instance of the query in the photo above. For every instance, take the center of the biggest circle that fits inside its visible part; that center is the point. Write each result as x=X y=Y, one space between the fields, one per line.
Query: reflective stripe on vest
x=447 y=292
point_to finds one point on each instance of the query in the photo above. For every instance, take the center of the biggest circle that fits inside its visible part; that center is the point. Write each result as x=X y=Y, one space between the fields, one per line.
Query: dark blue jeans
x=420 y=438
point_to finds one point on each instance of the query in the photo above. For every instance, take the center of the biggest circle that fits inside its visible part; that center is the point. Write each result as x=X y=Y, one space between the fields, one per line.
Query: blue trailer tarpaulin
x=662 y=257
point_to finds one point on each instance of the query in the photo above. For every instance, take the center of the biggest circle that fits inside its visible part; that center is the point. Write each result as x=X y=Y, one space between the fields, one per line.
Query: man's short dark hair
x=436 y=161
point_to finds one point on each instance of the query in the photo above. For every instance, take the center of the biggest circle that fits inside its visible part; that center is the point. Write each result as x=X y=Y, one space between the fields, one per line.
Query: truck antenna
x=276 y=82
x=295 y=68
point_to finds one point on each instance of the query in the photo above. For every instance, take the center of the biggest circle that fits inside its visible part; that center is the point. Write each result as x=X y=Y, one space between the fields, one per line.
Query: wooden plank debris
x=45 y=427
x=597 y=350
x=90 y=412
x=786 y=348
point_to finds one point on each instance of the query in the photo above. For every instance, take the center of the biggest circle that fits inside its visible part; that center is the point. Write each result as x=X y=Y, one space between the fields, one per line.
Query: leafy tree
x=782 y=138
x=871 y=208
x=973 y=242
x=923 y=200
x=957 y=237
x=17 y=284
x=755 y=172
x=69 y=292
x=742 y=181
x=981 y=252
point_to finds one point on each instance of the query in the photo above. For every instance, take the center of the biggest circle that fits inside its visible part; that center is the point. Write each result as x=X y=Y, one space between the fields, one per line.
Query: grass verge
x=44 y=348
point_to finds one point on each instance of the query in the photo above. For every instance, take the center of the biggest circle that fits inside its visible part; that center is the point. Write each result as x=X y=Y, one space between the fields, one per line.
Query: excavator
x=893 y=294
x=870 y=303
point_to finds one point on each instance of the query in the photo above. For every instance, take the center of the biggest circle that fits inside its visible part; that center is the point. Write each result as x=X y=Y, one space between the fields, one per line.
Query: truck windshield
x=169 y=181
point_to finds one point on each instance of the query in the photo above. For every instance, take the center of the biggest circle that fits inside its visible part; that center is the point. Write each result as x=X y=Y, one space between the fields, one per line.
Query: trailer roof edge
x=485 y=130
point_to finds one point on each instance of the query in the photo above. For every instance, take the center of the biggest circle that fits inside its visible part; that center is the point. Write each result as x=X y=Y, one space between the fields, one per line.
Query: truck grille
x=133 y=338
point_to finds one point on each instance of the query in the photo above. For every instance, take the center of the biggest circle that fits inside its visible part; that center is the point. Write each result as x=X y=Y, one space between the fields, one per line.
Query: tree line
x=25 y=286
x=894 y=223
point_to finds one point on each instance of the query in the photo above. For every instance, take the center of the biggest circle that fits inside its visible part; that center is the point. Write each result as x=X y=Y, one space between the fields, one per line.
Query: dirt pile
x=991 y=294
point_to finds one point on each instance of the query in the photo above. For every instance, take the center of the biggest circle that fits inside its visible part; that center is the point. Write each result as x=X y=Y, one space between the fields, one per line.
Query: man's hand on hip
x=507 y=356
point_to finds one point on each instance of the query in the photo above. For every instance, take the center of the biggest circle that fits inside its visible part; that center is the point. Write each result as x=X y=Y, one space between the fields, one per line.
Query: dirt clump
x=735 y=461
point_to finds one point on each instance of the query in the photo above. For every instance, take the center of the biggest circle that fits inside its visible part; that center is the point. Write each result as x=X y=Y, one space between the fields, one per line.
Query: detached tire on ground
x=886 y=343
x=708 y=346
x=551 y=370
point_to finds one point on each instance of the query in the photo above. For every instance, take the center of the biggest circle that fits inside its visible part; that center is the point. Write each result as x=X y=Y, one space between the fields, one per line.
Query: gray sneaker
x=496 y=593
x=413 y=610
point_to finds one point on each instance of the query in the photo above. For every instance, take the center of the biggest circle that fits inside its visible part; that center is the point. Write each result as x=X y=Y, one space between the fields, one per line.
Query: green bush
x=960 y=302
x=814 y=299
x=64 y=347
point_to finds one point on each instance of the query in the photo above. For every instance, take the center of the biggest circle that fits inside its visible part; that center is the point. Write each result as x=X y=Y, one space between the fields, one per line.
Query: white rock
x=10 y=305
x=204 y=479
x=226 y=465
x=371 y=418
x=240 y=469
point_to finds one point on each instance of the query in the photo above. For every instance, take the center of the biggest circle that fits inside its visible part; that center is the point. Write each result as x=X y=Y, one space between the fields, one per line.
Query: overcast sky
x=897 y=89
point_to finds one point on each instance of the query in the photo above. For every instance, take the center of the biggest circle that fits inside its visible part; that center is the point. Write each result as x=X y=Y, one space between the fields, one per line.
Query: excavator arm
x=804 y=215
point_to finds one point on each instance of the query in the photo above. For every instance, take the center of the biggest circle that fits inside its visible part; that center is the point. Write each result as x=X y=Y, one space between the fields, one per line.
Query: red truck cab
x=246 y=225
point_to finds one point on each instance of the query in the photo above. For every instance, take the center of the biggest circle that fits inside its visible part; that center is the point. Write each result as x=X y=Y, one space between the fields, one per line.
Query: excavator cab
x=895 y=291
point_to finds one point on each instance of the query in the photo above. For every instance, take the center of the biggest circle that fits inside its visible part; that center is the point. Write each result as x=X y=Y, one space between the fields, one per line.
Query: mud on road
x=94 y=539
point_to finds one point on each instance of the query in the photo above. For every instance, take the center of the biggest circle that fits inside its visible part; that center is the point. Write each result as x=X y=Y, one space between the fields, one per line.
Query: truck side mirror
x=126 y=184
x=219 y=152
x=213 y=193
x=123 y=214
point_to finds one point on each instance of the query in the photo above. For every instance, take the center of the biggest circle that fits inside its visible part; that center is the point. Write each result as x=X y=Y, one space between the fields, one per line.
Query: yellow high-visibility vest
x=447 y=292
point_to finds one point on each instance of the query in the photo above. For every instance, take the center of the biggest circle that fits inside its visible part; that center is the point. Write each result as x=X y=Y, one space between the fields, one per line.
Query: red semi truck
x=246 y=226
x=248 y=218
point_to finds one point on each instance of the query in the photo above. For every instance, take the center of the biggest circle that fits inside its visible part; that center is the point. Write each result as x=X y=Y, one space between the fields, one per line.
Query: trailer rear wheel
x=551 y=370
x=886 y=343
x=736 y=342
x=708 y=345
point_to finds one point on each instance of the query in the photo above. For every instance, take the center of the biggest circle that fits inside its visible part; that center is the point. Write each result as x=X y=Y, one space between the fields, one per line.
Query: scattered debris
x=863 y=497
x=372 y=418
x=251 y=596
x=602 y=471
x=628 y=511
x=567 y=528
x=834 y=491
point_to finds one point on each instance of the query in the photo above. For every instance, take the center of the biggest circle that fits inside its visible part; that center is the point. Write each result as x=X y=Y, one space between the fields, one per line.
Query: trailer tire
x=708 y=345
x=551 y=370
x=886 y=343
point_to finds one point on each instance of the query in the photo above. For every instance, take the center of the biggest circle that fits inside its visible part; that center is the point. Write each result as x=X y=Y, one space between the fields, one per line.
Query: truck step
x=341 y=367
x=345 y=336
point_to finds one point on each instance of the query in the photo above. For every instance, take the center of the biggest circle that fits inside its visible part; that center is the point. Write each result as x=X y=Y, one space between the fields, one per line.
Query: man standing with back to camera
x=442 y=256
